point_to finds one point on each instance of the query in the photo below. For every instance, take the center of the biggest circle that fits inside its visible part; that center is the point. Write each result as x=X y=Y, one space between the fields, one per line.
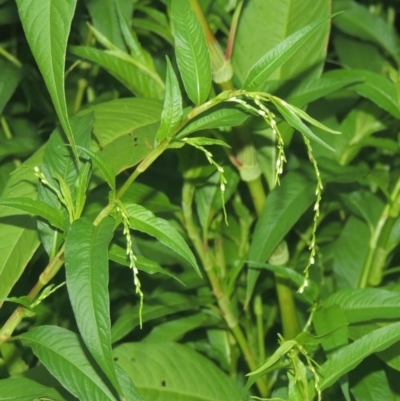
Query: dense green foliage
x=180 y=222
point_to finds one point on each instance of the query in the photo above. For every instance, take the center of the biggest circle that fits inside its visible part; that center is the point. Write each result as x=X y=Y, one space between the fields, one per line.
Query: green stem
x=258 y=311
x=222 y=298
x=6 y=128
x=48 y=273
x=377 y=254
x=54 y=266
x=257 y=193
x=10 y=57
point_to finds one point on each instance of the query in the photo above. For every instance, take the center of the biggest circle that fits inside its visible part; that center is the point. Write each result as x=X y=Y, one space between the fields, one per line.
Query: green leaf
x=124 y=130
x=284 y=206
x=348 y=357
x=61 y=172
x=135 y=76
x=264 y=24
x=18 y=232
x=202 y=141
x=81 y=185
x=311 y=292
x=105 y=18
x=172 y=112
x=191 y=52
x=63 y=354
x=273 y=59
x=21 y=389
x=350 y=252
x=224 y=115
x=294 y=120
x=86 y=263
x=370 y=381
x=360 y=22
x=9 y=80
x=131 y=40
x=157 y=368
x=331 y=320
x=118 y=255
x=105 y=169
x=47 y=25
x=143 y=220
x=37 y=208
x=310 y=90
x=149 y=197
x=361 y=305
x=164 y=304
x=374 y=87
x=174 y=330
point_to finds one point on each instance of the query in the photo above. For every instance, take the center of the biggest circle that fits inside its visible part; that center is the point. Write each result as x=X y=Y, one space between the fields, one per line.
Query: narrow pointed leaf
x=19 y=238
x=191 y=52
x=62 y=352
x=360 y=305
x=86 y=263
x=134 y=75
x=47 y=25
x=52 y=215
x=348 y=357
x=272 y=60
x=9 y=80
x=172 y=112
x=175 y=372
x=22 y=389
x=224 y=115
x=165 y=304
x=105 y=169
x=311 y=292
x=285 y=205
x=118 y=255
x=143 y=220
x=200 y=141
x=294 y=120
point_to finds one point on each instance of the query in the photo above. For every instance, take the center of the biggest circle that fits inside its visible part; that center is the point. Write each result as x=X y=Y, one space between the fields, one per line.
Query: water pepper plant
x=199 y=200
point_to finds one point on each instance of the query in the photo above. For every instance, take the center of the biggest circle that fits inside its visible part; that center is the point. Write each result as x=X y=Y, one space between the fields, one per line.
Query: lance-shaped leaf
x=348 y=357
x=273 y=59
x=105 y=169
x=86 y=263
x=134 y=75
x=22 y=389
x=172 y=112
x=223 y=115
x=285 y=205
x=18 y=233
x=47 y=25
x=9 y=80
x=294 y=120
x=143 y=220
x=63 y=353
x=38 y=208
x=191 y=51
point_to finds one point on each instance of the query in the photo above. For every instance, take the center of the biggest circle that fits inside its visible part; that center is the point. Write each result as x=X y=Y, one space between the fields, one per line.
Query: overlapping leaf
x=63 y=354
x=143 y=220
x=191 y=52
x=86 y=262
x=47 y=25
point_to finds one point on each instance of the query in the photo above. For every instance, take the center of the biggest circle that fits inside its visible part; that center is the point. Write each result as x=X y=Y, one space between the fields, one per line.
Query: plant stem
x=54 y=266
x=376 y=258
x=48 y=273
x=257 y=194
x=221 y=296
